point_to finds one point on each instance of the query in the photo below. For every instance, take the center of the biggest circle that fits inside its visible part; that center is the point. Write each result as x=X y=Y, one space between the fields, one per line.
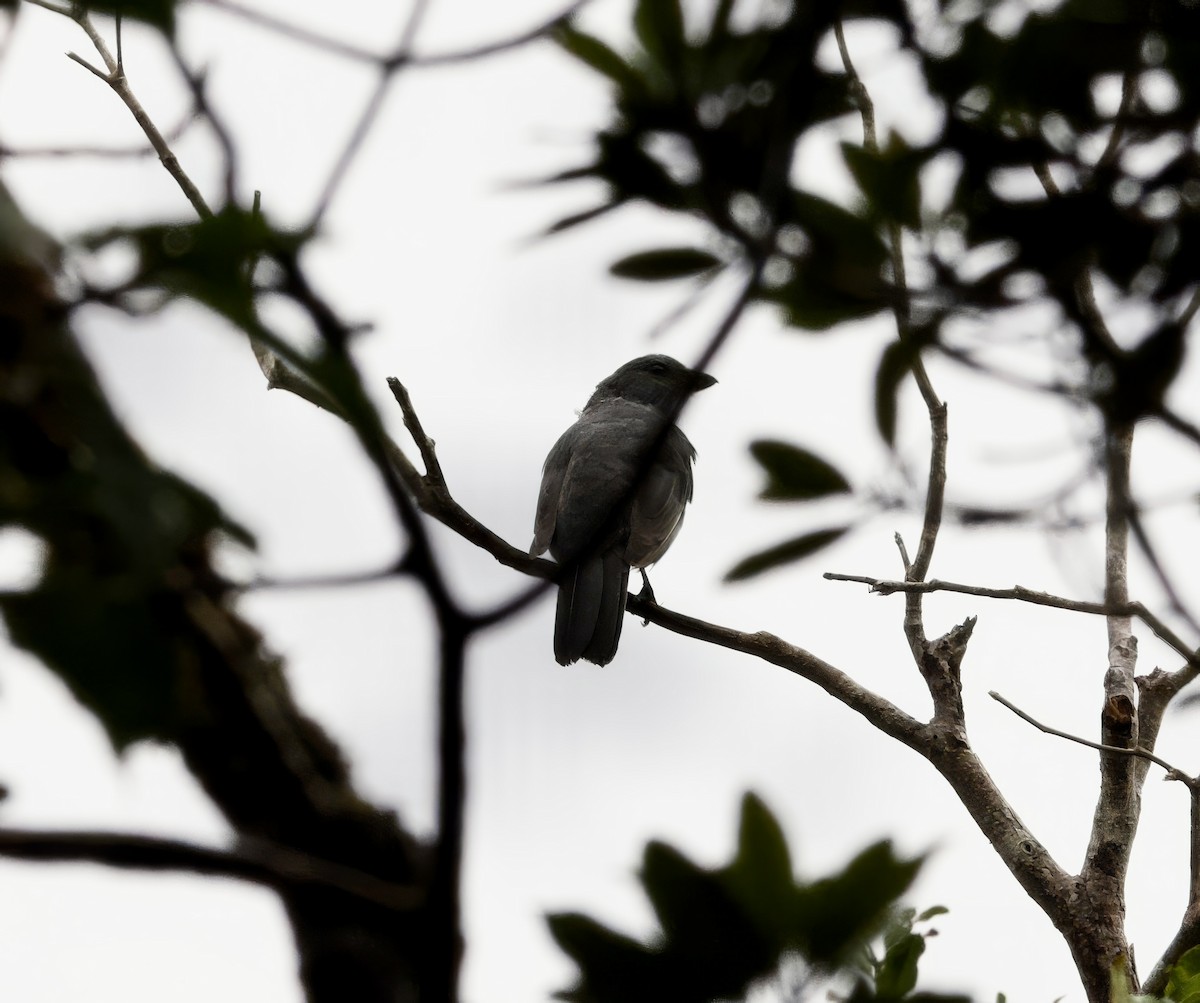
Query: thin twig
x=1128 y=98
x=56 y=152
x=116 y=79
x=935 y=492
x=1173 y=773
x=196 y=85
x=348 y=50
x=425 y=445
x=1022 y=594
x=1174 y=600
x=368 y=115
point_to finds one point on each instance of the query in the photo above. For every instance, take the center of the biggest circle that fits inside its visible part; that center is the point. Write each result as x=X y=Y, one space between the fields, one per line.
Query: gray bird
x=606 y=504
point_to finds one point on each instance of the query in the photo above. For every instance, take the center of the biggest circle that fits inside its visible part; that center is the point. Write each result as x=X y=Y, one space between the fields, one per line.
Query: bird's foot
x=647 y=592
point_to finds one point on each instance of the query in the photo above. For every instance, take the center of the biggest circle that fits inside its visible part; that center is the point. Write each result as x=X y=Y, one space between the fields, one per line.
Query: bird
x=613 y=493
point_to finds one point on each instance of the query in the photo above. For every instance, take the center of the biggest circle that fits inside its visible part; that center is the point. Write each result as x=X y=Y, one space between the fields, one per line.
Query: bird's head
x=656 y=380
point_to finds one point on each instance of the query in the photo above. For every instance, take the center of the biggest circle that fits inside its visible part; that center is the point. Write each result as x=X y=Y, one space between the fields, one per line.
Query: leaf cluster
x=1067 y=134
x=724 y=929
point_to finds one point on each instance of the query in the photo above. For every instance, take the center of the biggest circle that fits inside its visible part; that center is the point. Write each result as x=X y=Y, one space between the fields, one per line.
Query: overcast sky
x=500 y=340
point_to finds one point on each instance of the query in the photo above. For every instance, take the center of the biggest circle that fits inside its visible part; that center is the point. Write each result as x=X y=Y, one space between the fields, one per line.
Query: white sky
x=500 y=341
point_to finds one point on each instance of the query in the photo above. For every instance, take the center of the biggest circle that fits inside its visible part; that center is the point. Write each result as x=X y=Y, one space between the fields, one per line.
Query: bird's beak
x=701 y=381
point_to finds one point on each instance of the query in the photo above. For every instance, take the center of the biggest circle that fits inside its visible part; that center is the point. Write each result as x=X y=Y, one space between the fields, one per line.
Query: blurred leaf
x=894 y=366
x=712 y=948
x=784 y=553
x=795 y=474
x=760 y=876
x=567 y=222
x=659 y=27
x=669 y=263
x=1183 y=981
x=157 y=13
x=208 y=260
x=853 y=904
x=897 y=973
x=596 y=54
x=724 y=929
x=889 y=178
x=612 y=966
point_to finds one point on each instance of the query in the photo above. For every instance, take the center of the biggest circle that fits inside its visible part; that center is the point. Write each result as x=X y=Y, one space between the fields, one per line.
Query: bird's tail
x=591 y=609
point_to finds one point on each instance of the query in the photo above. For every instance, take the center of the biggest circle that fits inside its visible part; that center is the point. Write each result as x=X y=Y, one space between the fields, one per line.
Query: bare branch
x=433 y=468
x=935 y=492
x=368 y=115
x=104 y=152
x=1173 y=773
x=347 y=50
x=1023 y=594
x=116 y=79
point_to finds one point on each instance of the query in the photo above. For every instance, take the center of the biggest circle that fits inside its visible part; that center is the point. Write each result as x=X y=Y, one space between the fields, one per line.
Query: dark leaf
x=612 y=967
x=713 y=949
x=894 y=366
x=158 y=13
x=760 y=877
x=784 y=553
x=897 y=974
x=669 y=263
x=795 y=474
x=567 y=222
x=890 y=179
x=848 y=908
x=659 y=28
x=596 y=54
x=209 y=260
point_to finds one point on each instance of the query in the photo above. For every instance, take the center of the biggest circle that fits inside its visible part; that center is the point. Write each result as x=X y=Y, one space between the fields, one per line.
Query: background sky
x=500 y=339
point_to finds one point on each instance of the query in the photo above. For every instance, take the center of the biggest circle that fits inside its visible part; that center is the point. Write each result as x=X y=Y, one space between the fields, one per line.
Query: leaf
x=897 y=974
x=612 y=967
x=713 y=949
x=208 y=260
x=1183 y=981
x=659 y=27
x=890 y=179
x=575 y=219
x=847 y=908
x=760 y=877
x=669 y=263
x=590 y=50
x=157 y=13
x=931 y=912
x=894 y=365
x=784 y=553
x=795 y=474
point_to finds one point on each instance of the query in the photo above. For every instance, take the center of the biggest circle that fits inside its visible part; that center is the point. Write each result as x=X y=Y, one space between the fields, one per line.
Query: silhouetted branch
x=370 y=111
x=401 y=56
x=1023 y=594
x=254 y=861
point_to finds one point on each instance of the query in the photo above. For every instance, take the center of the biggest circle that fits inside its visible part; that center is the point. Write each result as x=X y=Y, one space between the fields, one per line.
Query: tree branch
x=1173 y=773
x=1020 y=593
x=117 y=81
x=252 y=860
x=366 y=118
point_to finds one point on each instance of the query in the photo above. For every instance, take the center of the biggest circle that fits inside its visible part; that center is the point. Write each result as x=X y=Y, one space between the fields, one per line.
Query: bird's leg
x=647 y=592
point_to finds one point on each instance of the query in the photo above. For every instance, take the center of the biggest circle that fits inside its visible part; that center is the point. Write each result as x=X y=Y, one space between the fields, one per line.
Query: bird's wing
x=607 y=444
x=660 y=501
x=553 y=472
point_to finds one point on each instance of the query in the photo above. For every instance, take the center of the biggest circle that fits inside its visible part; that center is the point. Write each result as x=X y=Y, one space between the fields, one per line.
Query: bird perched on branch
x=613 y=492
